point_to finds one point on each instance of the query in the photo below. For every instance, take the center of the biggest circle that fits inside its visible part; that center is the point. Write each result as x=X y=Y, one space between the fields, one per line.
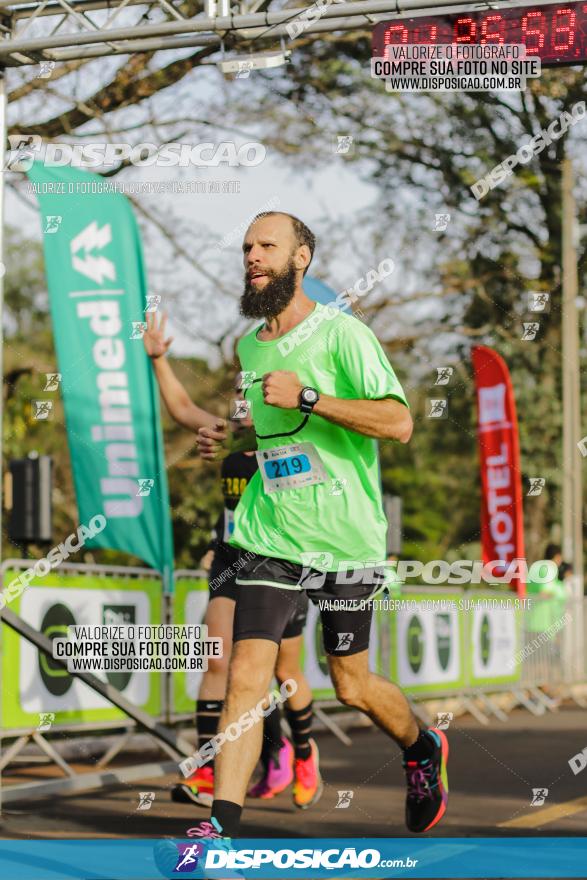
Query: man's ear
x=302 y=257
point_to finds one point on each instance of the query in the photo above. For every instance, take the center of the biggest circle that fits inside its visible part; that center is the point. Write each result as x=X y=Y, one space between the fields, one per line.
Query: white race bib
x=290 y=467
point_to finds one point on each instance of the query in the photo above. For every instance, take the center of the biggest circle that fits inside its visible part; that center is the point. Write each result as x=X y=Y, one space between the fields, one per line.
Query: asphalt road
x=492 y=771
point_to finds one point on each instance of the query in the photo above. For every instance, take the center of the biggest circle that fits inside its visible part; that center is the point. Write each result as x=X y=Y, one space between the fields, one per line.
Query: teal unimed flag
x=97 y=290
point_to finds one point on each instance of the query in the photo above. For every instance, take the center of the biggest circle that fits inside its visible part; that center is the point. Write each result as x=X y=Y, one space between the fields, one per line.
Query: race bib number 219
x=290 y=467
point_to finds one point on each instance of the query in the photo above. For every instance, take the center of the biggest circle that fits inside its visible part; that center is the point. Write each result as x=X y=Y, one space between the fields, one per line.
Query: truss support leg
x=53 y=753
x=332 y=726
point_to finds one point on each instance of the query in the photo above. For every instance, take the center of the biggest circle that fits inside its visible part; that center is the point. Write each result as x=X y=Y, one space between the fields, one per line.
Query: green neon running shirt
x=341 y=357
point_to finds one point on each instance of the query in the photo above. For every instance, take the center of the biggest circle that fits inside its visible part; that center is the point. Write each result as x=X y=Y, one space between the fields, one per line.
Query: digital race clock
x=556 y=33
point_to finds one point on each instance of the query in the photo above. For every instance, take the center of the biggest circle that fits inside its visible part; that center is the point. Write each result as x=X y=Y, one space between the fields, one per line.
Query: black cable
x=286 y=433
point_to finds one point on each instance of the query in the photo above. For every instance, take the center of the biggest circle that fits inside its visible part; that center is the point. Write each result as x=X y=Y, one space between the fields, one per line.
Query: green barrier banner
x=190 y=600
x=37 y=686
x=495 y=627
x=427 y=643
x=97 y=289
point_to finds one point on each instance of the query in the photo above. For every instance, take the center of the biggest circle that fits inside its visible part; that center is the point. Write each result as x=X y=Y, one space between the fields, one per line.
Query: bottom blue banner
x=486 y=857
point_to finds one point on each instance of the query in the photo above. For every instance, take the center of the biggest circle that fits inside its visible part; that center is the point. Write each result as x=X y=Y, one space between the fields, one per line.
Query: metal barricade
x=24 y=720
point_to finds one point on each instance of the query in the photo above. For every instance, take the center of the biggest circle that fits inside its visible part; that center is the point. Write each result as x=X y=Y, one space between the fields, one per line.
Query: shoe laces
x=422 y=779
x=204 y=829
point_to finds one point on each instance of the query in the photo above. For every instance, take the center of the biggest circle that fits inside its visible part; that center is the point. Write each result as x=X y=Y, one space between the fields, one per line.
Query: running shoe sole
x=269 y=793
x=266 y=796
x=443 y=777
x=183 y=794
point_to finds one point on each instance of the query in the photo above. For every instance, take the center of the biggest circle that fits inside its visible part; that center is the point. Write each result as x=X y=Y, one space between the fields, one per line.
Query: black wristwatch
x=309 y=397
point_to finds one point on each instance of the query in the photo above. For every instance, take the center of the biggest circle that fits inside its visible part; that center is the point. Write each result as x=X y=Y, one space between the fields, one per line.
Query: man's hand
x=282 y=388
x=207 y=560
x=210 y=440
x=154 y=336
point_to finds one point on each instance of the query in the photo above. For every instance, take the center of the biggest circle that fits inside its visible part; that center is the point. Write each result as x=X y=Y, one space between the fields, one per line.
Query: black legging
x=271 y=736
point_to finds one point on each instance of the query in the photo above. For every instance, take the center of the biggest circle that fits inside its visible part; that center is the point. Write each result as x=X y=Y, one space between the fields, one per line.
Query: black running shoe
x=427 y=786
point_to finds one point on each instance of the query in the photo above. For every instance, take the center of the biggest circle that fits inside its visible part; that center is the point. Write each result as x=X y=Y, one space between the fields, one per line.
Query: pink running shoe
x=278 y=775
x=308 y=786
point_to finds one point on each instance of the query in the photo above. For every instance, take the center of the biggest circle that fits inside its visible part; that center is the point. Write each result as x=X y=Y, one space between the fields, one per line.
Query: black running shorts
x=222 y=582
x=223 y=573
x=269 y=590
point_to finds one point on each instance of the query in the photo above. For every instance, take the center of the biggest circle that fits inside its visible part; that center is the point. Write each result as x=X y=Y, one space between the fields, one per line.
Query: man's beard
x=275 y=296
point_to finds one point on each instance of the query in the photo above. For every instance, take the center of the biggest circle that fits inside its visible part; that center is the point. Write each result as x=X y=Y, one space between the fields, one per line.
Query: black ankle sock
x=421 y=749
x=228 y=816
x=300 y=722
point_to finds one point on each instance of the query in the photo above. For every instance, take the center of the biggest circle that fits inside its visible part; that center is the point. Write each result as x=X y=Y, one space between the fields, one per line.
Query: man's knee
x=218 y=665
x=350 y=687
x=286 y=671
x=349 y=692
x=249 y=673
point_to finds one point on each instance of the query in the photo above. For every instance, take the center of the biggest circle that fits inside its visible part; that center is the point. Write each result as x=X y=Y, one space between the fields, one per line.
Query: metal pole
x=253 y=24
x=160 y=731
x=572 y=459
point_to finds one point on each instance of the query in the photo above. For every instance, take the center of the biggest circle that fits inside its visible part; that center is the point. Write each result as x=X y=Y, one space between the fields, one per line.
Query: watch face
x=309 y=395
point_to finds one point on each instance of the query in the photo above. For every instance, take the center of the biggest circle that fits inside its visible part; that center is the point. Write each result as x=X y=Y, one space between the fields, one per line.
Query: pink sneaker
x=308 y=786
x=277 y=776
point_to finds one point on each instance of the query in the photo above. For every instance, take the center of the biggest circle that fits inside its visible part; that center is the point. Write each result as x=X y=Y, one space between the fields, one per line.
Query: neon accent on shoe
x=197 y=789
x=278 y=775
x=427 y=783
x=308 y=785
x=211 y=834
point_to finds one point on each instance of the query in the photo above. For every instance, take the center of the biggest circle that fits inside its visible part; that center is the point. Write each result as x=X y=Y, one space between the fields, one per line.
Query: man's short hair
x=551 y=551
x=302 y=234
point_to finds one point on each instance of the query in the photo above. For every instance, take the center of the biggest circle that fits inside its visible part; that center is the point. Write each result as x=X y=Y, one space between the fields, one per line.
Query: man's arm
x=177 y=400
x=385 y=419
x=181 y=408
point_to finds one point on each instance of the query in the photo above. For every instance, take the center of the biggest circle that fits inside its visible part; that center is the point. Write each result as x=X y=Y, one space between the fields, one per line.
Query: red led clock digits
x=532 y=32
x=430 y=38
x=389 y=33
x=566 y=30
x=496 y=36
x=554 y=32
x=469 y=36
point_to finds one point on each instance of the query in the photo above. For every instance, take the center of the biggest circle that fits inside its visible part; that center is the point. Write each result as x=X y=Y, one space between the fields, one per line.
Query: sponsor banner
x=190 y=600
x=37 y=685
x=314 y=661
x=97 y=291
x=457 y=857
x=427 y=647
x=495 y=639
x=502 y=525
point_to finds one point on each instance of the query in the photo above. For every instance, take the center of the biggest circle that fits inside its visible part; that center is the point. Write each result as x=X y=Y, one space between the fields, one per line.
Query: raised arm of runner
x=181 y=408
